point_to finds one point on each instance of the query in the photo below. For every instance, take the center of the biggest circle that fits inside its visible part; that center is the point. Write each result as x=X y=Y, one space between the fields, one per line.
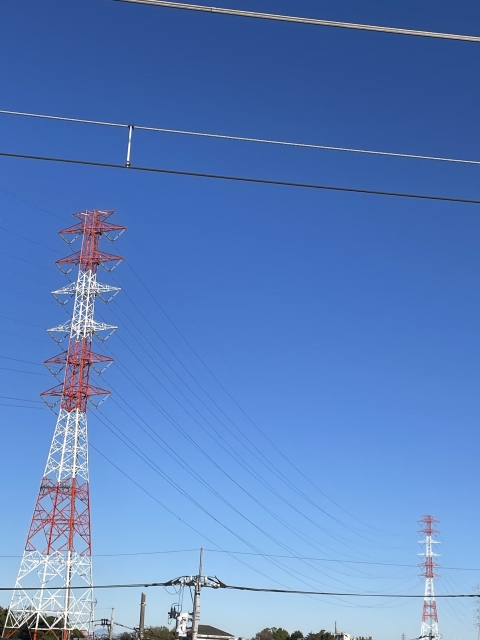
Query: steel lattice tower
x=429 y=616
x=58 y=551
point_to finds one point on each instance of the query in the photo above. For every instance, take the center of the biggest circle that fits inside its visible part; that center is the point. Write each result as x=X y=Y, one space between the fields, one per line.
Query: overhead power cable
x=33 y=373
x=21 y=406
x=176 y=516
x=21 y=399
x=250 y=553
x=351 y=595
x=310 y=21
x=232 y=178
x=146 y=585
x=296 y=574
x=305 y=538
x=231 y=450
x=369 y=562
x=204 y=364
x=220 y=136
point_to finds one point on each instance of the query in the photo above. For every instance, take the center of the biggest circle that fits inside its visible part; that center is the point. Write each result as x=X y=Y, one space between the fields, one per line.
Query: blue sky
x=344 y=326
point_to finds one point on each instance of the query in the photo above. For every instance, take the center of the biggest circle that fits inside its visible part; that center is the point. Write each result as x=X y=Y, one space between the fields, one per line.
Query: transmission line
x=155 y=467
x=232 y=452
x=203 y=481
x=180 y=519
x=168 y=583
x=308 y=21
x=250 y=446
x=232 y=178
x=271 y=442
x=218 y=136
x=250 y=470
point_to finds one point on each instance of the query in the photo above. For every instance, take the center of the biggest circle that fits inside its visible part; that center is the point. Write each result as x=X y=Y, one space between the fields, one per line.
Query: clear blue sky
x=345 y=326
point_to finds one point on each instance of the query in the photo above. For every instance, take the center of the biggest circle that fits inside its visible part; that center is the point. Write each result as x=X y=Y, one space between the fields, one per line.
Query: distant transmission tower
x=57 y=561
x=477 y=611
x=429 y=618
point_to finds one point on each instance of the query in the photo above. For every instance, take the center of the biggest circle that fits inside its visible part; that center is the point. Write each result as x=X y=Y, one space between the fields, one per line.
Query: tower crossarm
x=211 y=582
x=82 y=326
x=96 y=258
x=89 y=357
x=97 y=288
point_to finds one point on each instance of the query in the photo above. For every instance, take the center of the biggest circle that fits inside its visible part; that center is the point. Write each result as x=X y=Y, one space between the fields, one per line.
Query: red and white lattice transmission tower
x=54 y=589
x=429 y=617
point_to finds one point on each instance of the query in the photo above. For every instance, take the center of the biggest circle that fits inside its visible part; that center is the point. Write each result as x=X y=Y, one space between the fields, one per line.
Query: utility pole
x=108 y=624
x=182 y=618
x=110 y=630
x=196 y=599
x=141 y=627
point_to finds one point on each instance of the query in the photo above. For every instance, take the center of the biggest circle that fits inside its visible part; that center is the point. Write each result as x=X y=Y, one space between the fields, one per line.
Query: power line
x=19 y=235
x=197 y=355
x=231 y=450
x=250 y=553
x=355 y=595
x=276 y=563
x=231 y=178
x=387 y=564
x=17 y=335
x=21 y=399
x=61 y=118
x=265 y=460
x=21 y=406
x=309 y=21
x=33 y=373
x=218 y=136
x=188 y=524
x=37 y=364
x=265 y=556
x=146 y=459
x=138 y=553
x=304 y=537
x=146 y=585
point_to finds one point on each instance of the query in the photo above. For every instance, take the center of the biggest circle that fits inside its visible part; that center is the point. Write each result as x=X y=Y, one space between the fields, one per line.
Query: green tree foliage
x=150 y=633
x=158 y=633
x=273 y=633
x=320 y=635
x=3 y=617
x=277 y=633
x=24 y=632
